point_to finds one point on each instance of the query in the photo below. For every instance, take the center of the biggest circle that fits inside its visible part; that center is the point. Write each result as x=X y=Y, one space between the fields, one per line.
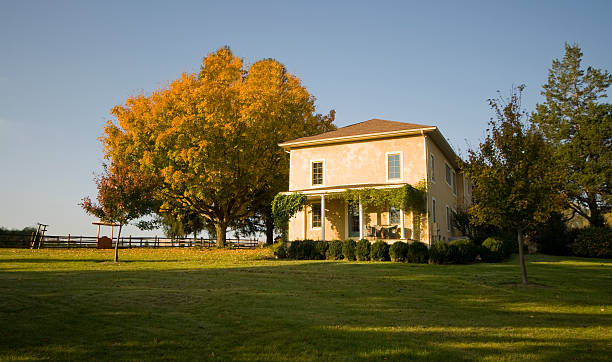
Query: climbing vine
x=407 y=197
x=283 y=209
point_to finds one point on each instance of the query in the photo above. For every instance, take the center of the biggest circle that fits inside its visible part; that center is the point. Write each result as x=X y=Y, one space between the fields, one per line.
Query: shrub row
x=457 y=252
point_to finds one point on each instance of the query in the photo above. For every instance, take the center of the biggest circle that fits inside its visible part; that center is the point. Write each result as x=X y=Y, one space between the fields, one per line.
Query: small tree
x=515 y=183
x=123 y=196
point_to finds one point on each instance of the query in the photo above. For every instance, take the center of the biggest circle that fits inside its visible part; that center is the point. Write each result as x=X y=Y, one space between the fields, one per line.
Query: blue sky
x=64 y=64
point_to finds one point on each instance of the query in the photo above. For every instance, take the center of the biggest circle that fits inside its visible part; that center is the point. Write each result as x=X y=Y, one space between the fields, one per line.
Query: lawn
x=243 y=305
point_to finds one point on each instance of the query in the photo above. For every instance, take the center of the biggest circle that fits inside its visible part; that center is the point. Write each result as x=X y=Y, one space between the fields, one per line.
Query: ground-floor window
x=394 y=216
x=316 y=216
x=353 y=220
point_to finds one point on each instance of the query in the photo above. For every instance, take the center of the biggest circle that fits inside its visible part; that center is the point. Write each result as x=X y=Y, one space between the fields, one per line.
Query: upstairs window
x=447 y=170
x=432 y=167
x=317 y=173
x=454 y=182
x=394 y=166
x=316 y=216
x=449 y=219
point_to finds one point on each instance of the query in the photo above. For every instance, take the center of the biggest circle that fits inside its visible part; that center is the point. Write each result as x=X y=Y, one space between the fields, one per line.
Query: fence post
x=130 y=242
x=68 y=241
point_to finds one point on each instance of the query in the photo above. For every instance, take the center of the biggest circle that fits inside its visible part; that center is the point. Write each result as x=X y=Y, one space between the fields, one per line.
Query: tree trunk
x=269 y=231
x=221 y=230
x=595 y=216
x=117 y=244
x=522 y=256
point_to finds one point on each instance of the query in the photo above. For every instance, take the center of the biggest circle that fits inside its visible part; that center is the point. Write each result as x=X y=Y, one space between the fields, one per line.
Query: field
x=243 y=305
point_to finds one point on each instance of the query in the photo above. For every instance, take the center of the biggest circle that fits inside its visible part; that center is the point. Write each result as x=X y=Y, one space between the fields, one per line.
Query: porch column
x=402 y=232
x=360 y=220
x=322 y=217
x=305 y=226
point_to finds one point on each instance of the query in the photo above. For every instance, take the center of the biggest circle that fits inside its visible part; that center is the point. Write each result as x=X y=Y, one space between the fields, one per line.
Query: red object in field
x=104 y=243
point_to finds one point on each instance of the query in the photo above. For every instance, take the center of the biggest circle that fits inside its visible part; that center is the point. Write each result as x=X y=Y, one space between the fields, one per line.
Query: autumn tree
x=580 y=129
x=515 y=180
x=210 y=140
x=123 y=195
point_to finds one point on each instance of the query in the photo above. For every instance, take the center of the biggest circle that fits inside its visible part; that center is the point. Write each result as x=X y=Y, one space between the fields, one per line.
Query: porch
x=326 y=217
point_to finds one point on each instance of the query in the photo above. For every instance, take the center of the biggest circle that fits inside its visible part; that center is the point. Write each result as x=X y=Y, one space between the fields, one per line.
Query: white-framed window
x=317 y=172
x=447 y=174
x=454 y=182
x=433 y=210
x=315 y=219
x=449 y=218
x=394 y=216
x=432 y=166
x=394 y=166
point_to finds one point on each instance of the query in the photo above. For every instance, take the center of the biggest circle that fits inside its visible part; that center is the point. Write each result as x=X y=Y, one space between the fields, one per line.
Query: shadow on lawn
x=302 y=310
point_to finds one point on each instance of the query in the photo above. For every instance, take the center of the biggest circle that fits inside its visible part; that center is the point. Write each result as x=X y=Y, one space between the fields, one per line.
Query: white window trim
x=311 y=214
x=401 y=178
x=317 y=185
x=432 y=168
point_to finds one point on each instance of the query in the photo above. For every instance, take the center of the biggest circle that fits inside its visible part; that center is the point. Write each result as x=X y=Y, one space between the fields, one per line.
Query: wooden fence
x=20 y=240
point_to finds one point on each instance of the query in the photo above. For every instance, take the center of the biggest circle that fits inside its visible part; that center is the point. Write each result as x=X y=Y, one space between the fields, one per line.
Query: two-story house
x=374 y=154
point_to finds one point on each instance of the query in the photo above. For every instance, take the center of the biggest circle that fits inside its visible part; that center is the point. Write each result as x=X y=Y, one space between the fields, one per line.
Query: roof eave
x=290 y=145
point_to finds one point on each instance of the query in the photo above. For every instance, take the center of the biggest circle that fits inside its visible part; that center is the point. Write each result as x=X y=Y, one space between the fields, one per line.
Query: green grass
x=243 y=305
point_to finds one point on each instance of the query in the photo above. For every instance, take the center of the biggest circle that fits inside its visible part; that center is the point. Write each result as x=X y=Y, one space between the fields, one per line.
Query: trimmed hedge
x=321 y=247
x=348 y=249
x=493 y=250
x=593 y=242
x=462 y=251
x=438 y=253
x=379 y=251
x=303 y=250
x=334 y=250
x=417 y=252
x=362 y=250
x=398 y=251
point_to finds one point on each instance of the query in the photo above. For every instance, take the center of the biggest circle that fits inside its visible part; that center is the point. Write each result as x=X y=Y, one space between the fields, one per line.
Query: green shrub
x=417 y=252
x=438 y=253
x=493 y=250
x=302 y=250
x=553 y=236
x=362 y=250
x=593 y=242
x=348 y=249
x=334 y=250
x=462 y=251
x=280 y=250
x=321 y=247
x=379 y=251
x=398 y=251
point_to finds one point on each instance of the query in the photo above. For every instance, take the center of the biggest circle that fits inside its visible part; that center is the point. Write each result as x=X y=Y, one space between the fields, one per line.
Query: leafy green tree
x=515 y=183
x=210 y=140
x=580 y=129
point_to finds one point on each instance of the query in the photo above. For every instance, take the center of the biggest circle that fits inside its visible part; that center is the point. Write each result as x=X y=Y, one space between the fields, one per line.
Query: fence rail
x=20 y=240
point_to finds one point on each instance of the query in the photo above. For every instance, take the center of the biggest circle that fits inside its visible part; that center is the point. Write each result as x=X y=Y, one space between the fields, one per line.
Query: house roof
x=372 y=127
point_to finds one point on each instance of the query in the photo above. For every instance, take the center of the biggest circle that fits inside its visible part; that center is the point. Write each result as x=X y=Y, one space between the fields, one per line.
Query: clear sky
x=64 y=64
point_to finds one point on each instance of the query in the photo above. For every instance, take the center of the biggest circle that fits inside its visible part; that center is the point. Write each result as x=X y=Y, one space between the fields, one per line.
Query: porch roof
x=342 y=188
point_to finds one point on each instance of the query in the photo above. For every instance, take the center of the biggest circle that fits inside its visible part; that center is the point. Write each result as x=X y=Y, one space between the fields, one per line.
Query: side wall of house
x=443 y=193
